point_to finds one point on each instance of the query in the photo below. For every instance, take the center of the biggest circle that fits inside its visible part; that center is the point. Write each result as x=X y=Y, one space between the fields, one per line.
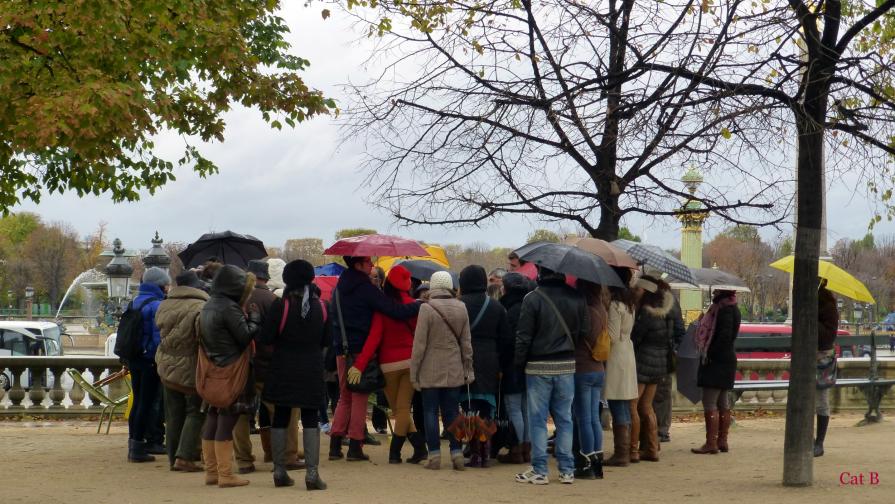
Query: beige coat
x=621 y=368
x=177 y=353
x=439 y=360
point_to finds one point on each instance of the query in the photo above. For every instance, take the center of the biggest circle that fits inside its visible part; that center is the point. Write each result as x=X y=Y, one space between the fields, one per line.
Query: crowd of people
x=224 y=345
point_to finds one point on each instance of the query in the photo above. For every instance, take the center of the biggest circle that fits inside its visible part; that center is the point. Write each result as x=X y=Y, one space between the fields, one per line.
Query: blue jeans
x=448 y=401
x=517 y=411
x=587 y=411
x=551 y=394
x=621 y=411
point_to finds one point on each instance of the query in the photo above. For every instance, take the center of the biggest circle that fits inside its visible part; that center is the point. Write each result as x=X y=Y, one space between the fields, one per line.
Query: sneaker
x=530 y=476
x=325 y=428
x=567 y=478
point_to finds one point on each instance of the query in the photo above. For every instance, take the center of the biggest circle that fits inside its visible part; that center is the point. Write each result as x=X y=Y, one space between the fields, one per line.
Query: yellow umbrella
x=838 y=280
x=436 y=255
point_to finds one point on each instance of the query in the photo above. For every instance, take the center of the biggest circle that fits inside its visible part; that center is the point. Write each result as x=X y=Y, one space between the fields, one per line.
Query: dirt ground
x=66 y=462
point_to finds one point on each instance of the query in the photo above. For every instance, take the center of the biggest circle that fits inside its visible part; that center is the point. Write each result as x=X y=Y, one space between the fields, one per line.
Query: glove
x=354 y=375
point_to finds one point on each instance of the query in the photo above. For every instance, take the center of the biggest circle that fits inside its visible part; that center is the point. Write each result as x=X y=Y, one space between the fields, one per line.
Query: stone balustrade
x=40 y=386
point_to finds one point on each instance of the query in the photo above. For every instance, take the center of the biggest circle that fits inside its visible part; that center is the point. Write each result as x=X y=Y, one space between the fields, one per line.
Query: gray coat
x=439 y=358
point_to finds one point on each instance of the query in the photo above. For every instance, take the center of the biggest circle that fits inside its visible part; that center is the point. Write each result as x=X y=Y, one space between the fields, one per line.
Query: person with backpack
x=491 y=349
x=139 y=332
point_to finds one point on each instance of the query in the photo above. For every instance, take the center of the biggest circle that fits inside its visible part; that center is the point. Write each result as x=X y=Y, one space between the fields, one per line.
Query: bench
x=873 y=387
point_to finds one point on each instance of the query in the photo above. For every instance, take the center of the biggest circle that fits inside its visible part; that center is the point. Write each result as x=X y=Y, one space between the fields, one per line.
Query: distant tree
x=53 y=254
x=626 y=234
x=742 y=233
x=173 y=249
x=348 y=233
x=543 y=235
x=309 y=249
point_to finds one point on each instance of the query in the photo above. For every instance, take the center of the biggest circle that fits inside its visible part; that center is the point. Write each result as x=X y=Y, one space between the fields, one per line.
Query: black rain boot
x=136 y=452
x=335 y=448
x=311 y=441
x=356 y=451
x=420 y=451
x=596 y=464
x=394 y=449
x=822 y=422
x=475 y=453
x=583 y=468
x=278 y=451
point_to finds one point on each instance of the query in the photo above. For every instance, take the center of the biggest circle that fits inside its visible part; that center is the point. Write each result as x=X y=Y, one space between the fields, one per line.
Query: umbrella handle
x=468 y=399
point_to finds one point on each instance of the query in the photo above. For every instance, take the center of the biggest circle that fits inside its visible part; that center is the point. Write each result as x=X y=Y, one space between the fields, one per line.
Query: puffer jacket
x=439 y=358
x=225 y=330
x=149 y=297
x=176 y=355
x=539 y=334
x=652 y=337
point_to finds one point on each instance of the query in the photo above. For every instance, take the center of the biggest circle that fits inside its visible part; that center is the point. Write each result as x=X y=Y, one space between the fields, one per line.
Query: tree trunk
x=610 y=217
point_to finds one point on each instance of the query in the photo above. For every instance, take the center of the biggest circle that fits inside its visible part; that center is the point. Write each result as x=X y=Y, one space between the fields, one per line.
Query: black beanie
x=297 y=274
x=473 y=279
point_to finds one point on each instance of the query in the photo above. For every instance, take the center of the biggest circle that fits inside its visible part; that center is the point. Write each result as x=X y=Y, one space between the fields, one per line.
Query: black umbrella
x=573 y=261
x=420 y=268
x=688 y=366
x=228 y=247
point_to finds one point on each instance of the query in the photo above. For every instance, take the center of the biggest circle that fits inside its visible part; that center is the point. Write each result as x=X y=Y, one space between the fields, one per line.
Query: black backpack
x=129 y=341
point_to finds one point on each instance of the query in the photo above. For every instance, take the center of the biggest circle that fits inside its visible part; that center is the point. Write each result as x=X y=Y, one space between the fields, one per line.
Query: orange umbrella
x=613 y=255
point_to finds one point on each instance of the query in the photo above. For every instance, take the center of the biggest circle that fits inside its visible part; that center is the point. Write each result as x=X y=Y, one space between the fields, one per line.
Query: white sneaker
x=325 y=428
x=567 y=479
x=530 y=476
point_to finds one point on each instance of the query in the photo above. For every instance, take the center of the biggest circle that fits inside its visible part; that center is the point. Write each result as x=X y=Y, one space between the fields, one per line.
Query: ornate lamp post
x=118 y=272
x=29 y=301
x=692 y=215
x=157 y=257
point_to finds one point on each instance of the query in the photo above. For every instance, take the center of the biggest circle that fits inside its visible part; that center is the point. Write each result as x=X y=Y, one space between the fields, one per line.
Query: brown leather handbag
x=220 y=386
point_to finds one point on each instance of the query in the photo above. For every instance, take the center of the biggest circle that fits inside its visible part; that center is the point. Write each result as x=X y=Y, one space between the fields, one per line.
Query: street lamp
x=118 y=272
x=157 y=257
x=29 y=295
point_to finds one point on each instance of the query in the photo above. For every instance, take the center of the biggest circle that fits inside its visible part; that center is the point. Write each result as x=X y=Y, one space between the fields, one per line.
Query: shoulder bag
x=371 y=378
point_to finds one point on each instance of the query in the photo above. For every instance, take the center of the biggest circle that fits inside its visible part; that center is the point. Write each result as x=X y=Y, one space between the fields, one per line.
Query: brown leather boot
x=621 y=437
x=724 y=417
x=711 y=434
x=650 y=438
x=211 y=465
x=264 y=434
x=223 y=451
x=634 y=446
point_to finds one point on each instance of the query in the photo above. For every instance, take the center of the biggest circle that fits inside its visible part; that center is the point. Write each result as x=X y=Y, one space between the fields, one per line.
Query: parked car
x=28 y=338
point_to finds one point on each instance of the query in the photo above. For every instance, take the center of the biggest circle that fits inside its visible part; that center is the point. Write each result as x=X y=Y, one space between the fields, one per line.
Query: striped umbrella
x=657 y=258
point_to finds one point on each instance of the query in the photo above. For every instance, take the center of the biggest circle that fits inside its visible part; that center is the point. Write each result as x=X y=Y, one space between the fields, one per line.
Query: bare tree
x=551 y=109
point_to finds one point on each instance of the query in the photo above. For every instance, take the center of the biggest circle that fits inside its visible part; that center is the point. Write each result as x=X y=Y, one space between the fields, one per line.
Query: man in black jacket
x=355 y=300
x=552 y=319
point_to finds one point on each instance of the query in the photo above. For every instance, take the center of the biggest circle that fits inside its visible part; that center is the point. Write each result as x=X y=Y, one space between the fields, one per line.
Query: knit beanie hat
x=441 y=280
x=259 y=268
x=516 y=281
x=473 y=279
x=399 y=277
x=156 y=276
x=297 y=274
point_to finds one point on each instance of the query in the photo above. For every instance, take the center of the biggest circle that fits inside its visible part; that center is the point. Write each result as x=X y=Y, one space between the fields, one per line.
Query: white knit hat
x=441 y=280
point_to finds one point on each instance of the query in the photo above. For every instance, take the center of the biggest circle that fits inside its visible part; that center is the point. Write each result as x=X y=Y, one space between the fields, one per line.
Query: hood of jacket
x=663 y=309
x=184 y=292
x=150 y=290
x=473 y=279
x=513 y=297
x=233 y=283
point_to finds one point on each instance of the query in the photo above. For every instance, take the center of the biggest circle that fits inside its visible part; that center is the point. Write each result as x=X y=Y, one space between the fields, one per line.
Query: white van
x=28 y=338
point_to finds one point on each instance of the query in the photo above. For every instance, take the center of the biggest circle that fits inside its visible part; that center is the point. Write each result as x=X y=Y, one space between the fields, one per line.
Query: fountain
x=91 y=279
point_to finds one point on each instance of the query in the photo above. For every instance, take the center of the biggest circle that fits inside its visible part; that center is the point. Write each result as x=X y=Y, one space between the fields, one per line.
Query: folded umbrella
x=609 y=252
x=688 y=366
x=570 y=260
x=227 y=246
x=657 y=259
x=420 y=269
x=838 y=280
x=375 y=245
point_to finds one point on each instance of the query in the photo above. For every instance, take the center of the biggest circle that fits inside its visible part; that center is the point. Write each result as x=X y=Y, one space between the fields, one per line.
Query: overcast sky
x=304 y=183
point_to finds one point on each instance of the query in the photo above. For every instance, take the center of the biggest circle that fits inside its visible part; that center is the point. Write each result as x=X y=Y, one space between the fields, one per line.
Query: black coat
x=652 y=336
x=225 y=331
x=295 y=374
x=720 y=368
x=513 y=376
x=540 y=336
x=491 y=338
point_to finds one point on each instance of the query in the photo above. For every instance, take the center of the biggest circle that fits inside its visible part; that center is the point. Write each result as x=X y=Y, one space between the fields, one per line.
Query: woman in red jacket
x=392 y=340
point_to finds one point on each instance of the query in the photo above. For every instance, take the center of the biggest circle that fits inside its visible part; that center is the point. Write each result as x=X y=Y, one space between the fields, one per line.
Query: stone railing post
x=57 y=394
x=37 y=392
x=17 y=392
x=38 y=369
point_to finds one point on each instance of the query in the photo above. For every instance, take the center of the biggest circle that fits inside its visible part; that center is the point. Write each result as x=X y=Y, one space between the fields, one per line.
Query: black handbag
x=371 y=378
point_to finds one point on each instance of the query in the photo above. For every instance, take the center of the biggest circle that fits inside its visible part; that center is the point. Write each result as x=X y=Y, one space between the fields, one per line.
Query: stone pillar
x=691 y=243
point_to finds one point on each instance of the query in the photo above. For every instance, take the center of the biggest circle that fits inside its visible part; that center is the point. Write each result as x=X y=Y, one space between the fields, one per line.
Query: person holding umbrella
x=358 y=300
x=621 y=368
x=715 y=337
x=652 y=335
x=515 y=288
x=827 y=325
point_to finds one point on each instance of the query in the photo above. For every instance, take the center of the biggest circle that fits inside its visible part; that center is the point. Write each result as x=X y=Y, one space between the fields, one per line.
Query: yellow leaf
x=725 y=133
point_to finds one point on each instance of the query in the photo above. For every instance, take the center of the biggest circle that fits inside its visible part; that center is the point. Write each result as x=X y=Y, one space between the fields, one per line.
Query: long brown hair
x=597 y=300
x=623 y=295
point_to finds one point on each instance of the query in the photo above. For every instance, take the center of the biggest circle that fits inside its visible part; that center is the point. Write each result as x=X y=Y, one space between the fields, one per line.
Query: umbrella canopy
x=331 y=269
x=613 y=255
x=570 y=260
x=421 y=270
x=375 y=245
x=688 y=366
x=838 y=280
x=658 y=259
x=434 y=253
x=709 y=279
x=327 y=284
x=228 y=247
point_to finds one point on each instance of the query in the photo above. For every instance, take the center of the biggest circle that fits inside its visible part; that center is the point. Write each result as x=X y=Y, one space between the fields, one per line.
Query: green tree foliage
x=348 y=233
x=742 y=233
x=626 y=234
x=86 y=86
x=543 y=235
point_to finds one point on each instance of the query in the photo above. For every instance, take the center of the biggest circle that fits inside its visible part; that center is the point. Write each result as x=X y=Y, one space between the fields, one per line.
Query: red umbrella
x=376 y=245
